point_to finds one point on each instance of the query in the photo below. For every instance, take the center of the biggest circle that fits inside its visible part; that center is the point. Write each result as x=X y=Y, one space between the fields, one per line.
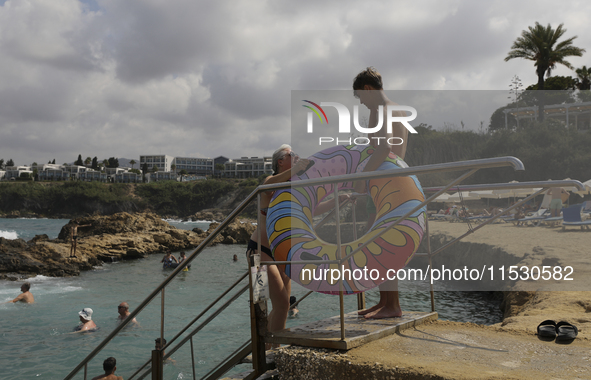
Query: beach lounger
x=536 y=217
x=572 y=217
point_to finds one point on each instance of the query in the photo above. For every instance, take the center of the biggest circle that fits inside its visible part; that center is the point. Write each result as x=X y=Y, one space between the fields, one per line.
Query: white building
x=161 y=176
x=192 y=165
x=246 y=167
x=161 y=161
x=16 y=171
x=127 y=177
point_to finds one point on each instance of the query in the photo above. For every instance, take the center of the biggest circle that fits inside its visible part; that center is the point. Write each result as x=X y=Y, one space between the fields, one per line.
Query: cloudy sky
x=206 y=78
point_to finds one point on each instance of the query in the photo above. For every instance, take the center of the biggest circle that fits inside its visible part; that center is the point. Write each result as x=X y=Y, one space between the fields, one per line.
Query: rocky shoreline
x=121 y=236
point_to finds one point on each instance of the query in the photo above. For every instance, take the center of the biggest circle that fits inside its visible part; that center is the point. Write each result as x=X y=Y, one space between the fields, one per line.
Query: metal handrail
x=426 y=169
x=211 y=305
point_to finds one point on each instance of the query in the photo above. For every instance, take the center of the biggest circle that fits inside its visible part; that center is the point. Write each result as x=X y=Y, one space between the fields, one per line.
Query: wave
x=8 y=234
x=188 y=221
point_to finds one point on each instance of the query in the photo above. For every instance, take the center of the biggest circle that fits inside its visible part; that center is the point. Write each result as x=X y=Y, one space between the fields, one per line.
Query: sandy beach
x=508 y=350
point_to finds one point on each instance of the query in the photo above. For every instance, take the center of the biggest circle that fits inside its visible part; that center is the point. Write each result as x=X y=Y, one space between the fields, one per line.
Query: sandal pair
x=562 y=331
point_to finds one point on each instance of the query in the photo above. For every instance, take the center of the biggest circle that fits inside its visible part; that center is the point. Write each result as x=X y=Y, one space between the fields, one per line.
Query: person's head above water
x=86 y=314
x=158 y=343
x=25 y=287
x=123 y=308
x=109 y=365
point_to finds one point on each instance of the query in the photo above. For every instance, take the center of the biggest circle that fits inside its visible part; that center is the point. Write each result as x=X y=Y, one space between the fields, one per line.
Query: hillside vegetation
x=548 y=151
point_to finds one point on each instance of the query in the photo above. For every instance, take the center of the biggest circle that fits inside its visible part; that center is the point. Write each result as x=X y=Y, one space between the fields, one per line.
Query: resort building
x=16 y=171
x=246 y=167
x=192 y=165
x=161 y=176
x=127 y=177
x=574 y=115
x=51 y=174
x=161 y=161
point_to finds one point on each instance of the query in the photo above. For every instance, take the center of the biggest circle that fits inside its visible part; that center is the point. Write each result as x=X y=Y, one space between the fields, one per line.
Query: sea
x=36 y=339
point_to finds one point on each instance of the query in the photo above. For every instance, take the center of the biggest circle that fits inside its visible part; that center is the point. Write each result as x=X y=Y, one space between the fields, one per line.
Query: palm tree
x=584 y=75
x=132 y=162
x=540 y=44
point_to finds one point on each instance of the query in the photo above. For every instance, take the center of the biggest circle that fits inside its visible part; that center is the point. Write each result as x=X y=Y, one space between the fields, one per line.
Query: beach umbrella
x=587 y=190
x=516 y=193
x=462 y=196
x=442 y=198
x=487 y=194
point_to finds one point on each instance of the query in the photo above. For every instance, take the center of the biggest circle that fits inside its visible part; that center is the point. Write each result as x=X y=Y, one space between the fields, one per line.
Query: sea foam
x=8 y=234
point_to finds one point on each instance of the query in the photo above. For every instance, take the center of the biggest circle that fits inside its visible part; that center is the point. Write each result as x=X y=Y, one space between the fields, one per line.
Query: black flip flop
x=547 y=329
x=565 y=331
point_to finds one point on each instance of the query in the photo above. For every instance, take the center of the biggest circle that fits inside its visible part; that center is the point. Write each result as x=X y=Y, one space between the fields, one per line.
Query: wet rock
x=108 y=238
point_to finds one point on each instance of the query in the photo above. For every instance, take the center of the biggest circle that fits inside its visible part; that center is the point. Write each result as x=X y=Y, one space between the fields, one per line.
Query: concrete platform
x=326 y=333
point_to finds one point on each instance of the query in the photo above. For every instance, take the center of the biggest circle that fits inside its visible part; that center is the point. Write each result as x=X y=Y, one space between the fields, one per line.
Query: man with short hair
x=123 y=310
x=368 y=88
x=159 y=345
x=26 y=296
x=109 y=365
x=74 y=237
x=556 y=202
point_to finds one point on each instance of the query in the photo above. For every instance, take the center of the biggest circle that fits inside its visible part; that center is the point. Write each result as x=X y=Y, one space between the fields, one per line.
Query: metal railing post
x=193 y=358
x=157 y=365
x=258 y=324
x=162 y=320
x=429 y=253
x=341 y=287
x=360 y=296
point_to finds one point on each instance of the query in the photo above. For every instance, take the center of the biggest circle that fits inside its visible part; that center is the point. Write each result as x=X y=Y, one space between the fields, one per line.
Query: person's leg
x=371 y=217
x=279 y=286
x=389 y=305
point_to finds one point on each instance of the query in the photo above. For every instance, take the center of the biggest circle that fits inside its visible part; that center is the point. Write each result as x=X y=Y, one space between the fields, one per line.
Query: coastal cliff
x=121 y=236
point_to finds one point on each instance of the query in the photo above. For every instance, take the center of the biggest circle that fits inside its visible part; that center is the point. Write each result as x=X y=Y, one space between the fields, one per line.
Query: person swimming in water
x=86 y=320
x=183 y=258
x=169 y=261
x=26 y=296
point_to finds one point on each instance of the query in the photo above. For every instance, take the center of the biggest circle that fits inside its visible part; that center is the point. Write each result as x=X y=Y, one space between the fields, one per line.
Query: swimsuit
x=75 y=237
x=253 y=247
x=556 y=204
x=169 y=264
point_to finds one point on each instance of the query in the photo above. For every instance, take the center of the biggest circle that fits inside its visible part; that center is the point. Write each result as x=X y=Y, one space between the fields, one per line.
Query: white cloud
x=123 y=78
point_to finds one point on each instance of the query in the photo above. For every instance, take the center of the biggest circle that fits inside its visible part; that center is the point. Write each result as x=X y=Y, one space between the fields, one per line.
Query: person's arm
x=174 y=258
x=19 y=298
x=83 y=329
x=329 y=204
x=282 y=177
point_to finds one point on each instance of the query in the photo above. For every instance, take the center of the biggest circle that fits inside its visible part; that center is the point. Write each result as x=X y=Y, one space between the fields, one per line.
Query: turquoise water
x=36 y=343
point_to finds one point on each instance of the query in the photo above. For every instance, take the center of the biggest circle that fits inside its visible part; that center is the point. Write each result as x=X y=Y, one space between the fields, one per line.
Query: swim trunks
x=556 y=204
x=253 y=246
x=75 y=237
x=264 y=211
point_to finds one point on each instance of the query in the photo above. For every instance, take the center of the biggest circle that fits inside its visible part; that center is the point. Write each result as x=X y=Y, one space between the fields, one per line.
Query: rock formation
x=109 y=238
